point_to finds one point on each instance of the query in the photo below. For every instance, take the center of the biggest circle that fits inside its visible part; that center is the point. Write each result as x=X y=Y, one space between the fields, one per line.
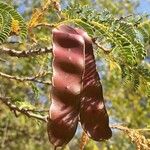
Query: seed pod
x=93 y=115
x=68 y=66
x=76 y=89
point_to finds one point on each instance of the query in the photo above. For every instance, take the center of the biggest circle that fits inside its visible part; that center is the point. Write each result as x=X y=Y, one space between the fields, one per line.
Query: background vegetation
x=122 y=38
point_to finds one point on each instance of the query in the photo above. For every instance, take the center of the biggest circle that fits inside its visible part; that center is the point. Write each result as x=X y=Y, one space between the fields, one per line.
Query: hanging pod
x=68 y=66
x=76 y=89
x=93 y=115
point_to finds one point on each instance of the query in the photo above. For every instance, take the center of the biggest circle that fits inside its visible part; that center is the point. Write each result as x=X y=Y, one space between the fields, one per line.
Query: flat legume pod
x=93 y=116
x=68 y=66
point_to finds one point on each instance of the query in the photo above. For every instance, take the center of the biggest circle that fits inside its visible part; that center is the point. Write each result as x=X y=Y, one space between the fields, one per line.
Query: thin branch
x=27 y=53
x=119 y=127
x=7 y=102
x=123 y=128
x=42 y=74
x=106 y=50
x=38 y=111
x=138 y=139
x=31 y=114
x=45 y=25
x=24 y=79
x=125 y=17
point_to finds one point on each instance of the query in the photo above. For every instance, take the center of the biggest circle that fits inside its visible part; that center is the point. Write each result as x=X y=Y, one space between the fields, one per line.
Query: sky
x=144 y=6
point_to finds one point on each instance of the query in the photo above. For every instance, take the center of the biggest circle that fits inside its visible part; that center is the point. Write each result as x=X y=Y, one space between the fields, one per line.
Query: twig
x=125 y=17
x=27 y=53
x=45 y=25
x=7 y=102
x=42 y=74
x=23 y=79
x=39 y=111
x=119 y=127
x=138 y=139
x=101 y=47
x=123 y=128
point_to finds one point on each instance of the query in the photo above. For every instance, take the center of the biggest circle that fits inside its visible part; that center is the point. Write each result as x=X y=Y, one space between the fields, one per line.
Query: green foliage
x=124 y=42
x=144 y=30
x=10 y=18
x=124 y=71
x=120 y=35
x=5 y=22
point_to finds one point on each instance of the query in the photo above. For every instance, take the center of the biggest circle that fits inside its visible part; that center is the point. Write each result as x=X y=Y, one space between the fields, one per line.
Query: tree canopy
x=121 y=40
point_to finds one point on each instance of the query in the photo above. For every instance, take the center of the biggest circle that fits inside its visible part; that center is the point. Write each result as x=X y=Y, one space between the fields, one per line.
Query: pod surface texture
x=76 y=89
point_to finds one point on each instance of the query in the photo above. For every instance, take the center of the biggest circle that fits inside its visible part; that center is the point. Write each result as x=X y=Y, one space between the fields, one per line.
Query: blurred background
x=125 y=105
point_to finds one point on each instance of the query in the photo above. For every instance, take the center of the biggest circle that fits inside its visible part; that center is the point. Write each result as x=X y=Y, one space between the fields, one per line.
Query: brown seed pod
x=76 y=89
x=68 y=66
x=93 y=115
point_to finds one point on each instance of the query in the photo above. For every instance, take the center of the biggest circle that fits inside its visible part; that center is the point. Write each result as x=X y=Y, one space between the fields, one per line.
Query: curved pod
x=93 y=115
x=76 y=89
x=68 y=65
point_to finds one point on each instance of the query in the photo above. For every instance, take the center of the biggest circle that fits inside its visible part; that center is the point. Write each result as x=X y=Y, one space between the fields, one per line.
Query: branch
x=45 y=25
x=138 y=139
x=123 y=128
x=7 y=102
x=119 y=127
x=38 y=111
x=27 y=53
x=24 y=79
x=31 y=114
x=106 y=50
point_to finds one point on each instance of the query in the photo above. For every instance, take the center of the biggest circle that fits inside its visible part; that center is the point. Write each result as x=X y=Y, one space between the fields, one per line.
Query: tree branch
x=107 y=51
x=27 y=53
x=132 y=133
x=140 y=141
x=7 y=102
x=45 y=25
x=123 y=128
x=24 y=79
x=135 y=136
